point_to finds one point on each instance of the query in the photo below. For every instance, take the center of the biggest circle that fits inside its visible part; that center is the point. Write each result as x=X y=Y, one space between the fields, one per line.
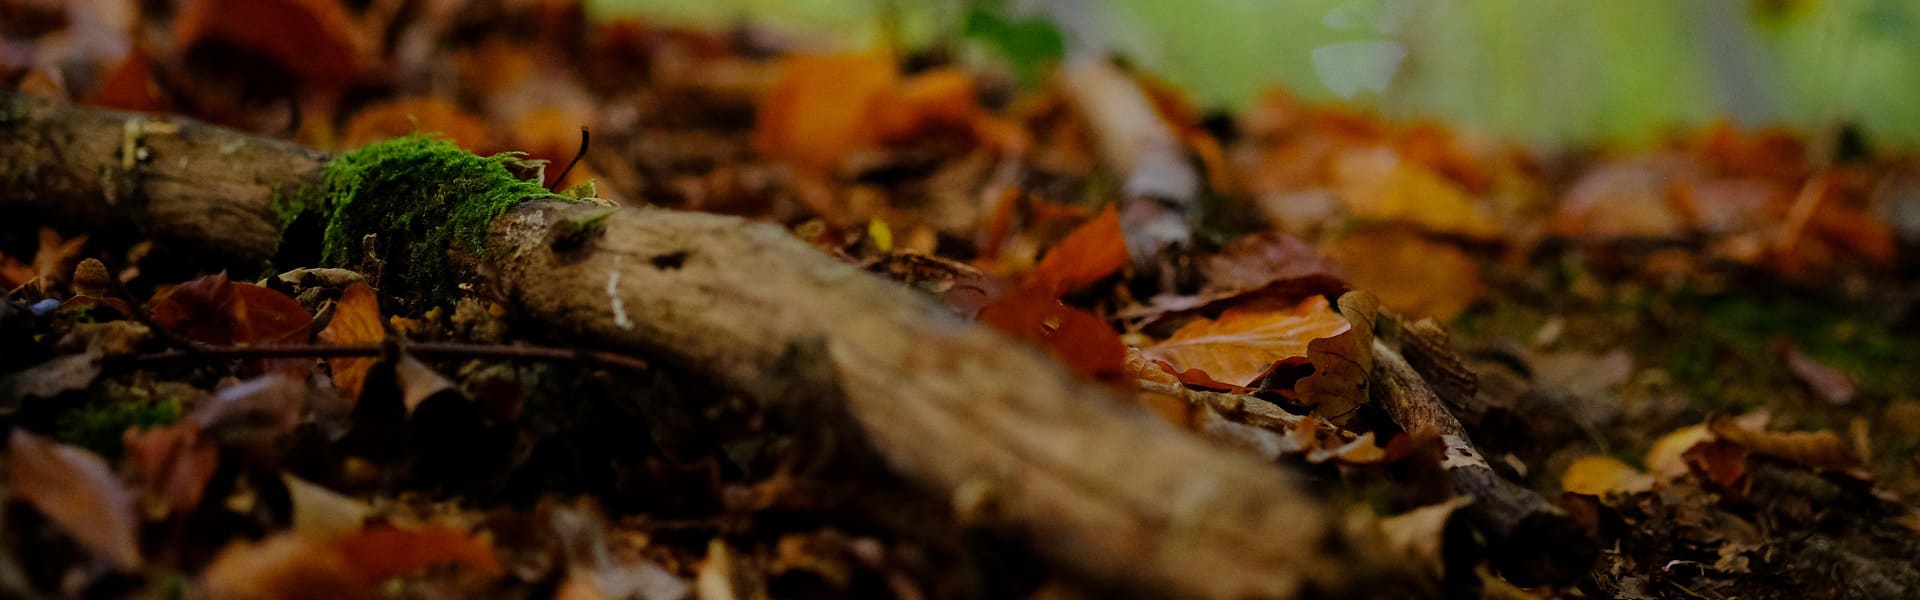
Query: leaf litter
x=1579 y=305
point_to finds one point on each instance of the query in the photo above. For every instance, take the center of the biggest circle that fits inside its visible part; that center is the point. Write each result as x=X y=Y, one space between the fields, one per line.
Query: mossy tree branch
x=1090 y=480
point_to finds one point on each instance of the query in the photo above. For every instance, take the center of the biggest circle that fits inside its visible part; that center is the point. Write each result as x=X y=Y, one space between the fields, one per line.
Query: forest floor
x=1701 y=353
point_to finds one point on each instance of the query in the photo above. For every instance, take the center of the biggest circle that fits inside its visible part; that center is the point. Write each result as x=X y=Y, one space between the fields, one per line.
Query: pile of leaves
x=173 y=429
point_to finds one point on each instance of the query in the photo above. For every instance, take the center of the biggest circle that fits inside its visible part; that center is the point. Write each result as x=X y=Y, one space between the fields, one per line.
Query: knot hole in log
x=669 y=261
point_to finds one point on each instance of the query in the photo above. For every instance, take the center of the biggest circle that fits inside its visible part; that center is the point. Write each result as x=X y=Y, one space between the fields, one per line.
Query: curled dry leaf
x=1418 y=537
x=1244 y=343
x=215 y=310
x=320 y=511
x=356 y=320
x=1819 y=449
x=77 y=491
x=1343 y=362
x=1410 y=272
x=1602 y=475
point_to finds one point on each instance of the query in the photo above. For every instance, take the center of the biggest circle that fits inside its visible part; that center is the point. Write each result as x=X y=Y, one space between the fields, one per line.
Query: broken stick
x=1532 y=540
x=1091 y=482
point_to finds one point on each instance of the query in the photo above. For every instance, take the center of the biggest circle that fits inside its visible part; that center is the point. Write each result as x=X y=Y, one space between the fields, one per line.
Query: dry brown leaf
x=356 y=320
x=77 y=491
x=350 y=566
x=1409 y=272
x=1342 y=363
x=1723 y=463
x=1623 y=199
x=1826 y=383
x=323 y=512
x=1602 y=475
x=1245 y=342
x=171 y=465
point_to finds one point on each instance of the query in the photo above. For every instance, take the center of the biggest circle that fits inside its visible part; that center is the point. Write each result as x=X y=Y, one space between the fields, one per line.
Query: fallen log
x=1089 y=481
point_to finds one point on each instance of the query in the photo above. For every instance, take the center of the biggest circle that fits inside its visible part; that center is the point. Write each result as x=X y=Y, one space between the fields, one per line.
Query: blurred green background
x=1546 y=72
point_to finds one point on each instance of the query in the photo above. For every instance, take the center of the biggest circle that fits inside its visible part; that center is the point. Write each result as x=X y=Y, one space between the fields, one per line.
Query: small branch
x=422 y=349
x=1531 y=539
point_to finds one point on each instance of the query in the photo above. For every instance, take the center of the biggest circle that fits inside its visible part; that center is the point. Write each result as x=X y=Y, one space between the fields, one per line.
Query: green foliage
x=1030 y=44
x=419 y=196
x=97 y=426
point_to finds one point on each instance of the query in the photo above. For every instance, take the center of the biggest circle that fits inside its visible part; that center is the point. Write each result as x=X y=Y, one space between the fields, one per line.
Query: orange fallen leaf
x=1244 y=343
x=818 y=110
x=1088 y=254
x=1666 y=460
x=77 y=491
x=298 y=565
x=356 y=320
x=1411 y=273
x=420 y=114
x=1602 y=475
x=942 y=97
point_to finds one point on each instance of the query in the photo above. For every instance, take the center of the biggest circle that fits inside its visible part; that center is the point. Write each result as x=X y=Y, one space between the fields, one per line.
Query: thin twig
x=423 y=349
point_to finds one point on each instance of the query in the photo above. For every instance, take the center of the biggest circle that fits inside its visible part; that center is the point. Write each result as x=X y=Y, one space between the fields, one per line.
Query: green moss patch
x=420 y=196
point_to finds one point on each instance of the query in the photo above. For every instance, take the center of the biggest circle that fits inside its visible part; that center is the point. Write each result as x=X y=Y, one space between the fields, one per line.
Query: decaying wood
x=1532 y=539
x=1093 y=483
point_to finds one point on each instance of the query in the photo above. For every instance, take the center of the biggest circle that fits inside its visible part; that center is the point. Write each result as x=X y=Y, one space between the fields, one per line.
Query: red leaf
x=315 y=39
x=1090 y=253
x=378 y=553
x=1077 y=337
x=214 y=310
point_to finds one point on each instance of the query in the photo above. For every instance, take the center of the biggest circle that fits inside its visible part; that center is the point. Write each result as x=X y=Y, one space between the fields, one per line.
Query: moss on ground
x=98 y=426
x=419 y=196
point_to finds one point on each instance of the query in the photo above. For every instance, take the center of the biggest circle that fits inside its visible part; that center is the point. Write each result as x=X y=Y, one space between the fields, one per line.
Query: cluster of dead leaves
x=1717 y=451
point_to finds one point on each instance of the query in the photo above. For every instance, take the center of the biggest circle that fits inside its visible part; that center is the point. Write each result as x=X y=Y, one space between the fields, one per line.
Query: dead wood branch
x=1532 y=539
x=1093 y=483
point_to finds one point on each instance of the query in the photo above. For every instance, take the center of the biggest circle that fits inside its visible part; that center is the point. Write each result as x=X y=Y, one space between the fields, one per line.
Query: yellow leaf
x=1244 y=342
x=1602 y=475
x=1378 y=184
x=1409 y=272
x=1665 y=458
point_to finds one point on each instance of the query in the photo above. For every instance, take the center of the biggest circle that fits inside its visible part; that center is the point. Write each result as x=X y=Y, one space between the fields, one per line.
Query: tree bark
x=1091 y=481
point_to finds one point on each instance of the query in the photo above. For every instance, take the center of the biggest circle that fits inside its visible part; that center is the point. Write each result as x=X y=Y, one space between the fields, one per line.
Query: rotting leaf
x=1245 y=342
x=215 y=310
x=77 y=491
x=1343 y=362
x=49 y=379
x=356 y=320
